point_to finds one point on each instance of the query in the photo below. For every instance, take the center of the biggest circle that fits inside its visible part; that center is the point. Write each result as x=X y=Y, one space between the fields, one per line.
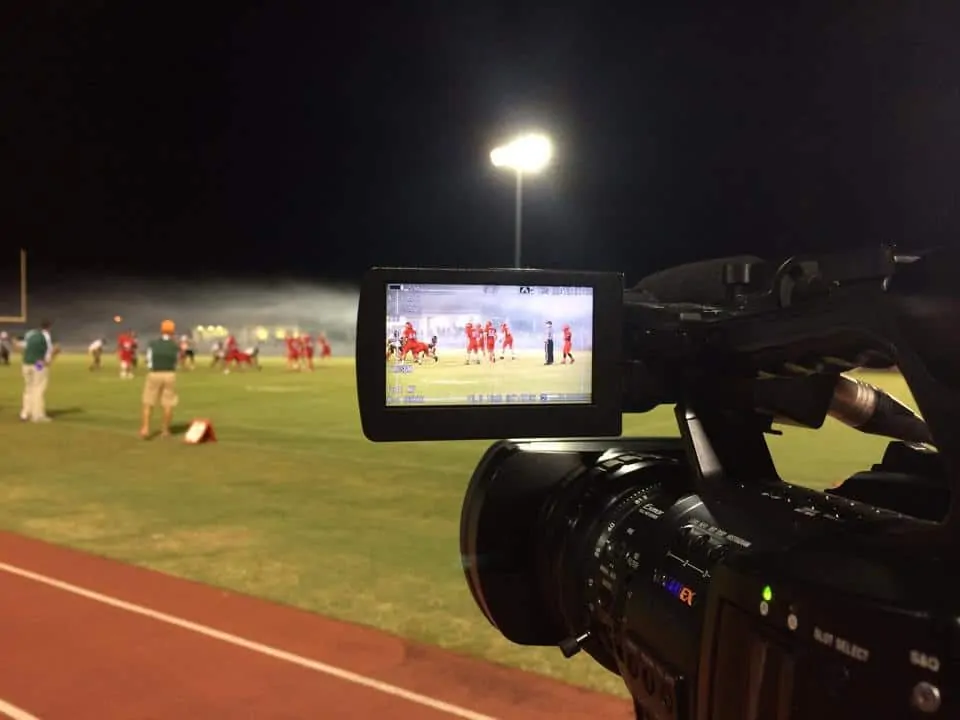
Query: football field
x=523 y=377
x=292 y=503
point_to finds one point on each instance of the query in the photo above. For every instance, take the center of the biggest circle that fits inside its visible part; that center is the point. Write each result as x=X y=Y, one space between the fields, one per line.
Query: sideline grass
x=293 y=504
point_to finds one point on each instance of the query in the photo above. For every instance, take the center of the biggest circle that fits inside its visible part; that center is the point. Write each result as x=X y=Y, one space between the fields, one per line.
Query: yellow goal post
x=22 y=317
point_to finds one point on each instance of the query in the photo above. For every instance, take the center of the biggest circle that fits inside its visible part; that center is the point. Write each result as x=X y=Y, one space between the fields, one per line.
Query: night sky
x=315 y=140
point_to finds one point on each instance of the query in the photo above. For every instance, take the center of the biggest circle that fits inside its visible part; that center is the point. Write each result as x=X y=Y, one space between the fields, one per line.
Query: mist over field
x=83 y=312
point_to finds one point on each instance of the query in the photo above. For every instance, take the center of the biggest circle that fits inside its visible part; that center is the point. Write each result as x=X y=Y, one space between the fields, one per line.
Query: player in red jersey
x=125 y=353
x=567 y=345
x=490 y=339
x=324 y=344
x=298 y=340
x=418 y=349
x=507 y=342
x=409 y=342
x=293 y=352
x=473 y=347
x=247 y=358
x=241 y=358
x=480 y=332
x=230 y=349
x=231 y=353
x=306 y=349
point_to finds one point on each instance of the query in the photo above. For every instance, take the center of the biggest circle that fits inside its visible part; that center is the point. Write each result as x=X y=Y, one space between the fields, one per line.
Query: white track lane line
x=14 y=713
x=237 y=641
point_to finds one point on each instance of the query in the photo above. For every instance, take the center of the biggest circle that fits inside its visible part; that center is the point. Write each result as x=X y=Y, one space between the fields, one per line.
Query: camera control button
x=925 y=697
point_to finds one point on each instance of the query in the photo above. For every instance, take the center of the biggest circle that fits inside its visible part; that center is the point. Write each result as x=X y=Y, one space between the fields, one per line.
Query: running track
x=84 y=637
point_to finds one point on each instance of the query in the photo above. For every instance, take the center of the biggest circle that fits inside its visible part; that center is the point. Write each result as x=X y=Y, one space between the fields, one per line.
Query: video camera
x=686 y=565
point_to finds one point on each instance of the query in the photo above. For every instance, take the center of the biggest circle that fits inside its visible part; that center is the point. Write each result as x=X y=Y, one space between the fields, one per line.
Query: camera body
x=714 y=588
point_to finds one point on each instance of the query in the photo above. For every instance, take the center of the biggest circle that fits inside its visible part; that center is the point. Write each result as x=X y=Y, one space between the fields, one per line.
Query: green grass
x=293 y=504
x=449 y=380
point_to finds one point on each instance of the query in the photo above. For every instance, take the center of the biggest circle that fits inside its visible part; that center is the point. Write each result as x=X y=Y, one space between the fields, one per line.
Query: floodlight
x=526 y=154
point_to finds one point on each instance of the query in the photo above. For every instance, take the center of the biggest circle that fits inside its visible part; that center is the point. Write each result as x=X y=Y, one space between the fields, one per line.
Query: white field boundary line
x=14 y=713
x=240 y=642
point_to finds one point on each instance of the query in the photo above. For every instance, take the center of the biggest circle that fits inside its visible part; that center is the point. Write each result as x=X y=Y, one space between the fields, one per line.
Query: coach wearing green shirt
x=38 y=352
x=161 y=384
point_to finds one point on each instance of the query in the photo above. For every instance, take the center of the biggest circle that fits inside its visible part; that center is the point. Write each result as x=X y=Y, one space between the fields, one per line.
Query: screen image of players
x=490 y=341
x=501 y=332
x=483 y=342
x=506 y=342
x=567 y=345
x=473 y=343
x=403 y=345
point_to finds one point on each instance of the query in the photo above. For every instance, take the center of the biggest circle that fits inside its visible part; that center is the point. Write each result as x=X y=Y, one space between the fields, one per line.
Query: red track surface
x=65 y=656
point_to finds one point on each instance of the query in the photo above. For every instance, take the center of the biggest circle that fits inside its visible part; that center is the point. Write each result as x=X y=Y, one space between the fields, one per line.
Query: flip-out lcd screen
x=470 y=345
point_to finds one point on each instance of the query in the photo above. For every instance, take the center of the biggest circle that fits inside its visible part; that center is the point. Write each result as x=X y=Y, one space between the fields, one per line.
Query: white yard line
x=14 y=713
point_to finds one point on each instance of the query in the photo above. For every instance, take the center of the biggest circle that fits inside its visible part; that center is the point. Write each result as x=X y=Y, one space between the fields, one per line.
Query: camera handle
x=722 y=444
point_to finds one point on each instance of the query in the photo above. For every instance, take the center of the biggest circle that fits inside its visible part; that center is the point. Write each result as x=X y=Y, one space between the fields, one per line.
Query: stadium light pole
x=527 y=154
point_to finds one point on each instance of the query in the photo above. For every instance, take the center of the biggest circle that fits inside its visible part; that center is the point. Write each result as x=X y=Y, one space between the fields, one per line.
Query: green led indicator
x=767 y=594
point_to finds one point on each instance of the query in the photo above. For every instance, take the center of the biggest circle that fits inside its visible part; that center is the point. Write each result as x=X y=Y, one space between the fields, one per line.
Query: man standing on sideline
x=548 y=345
x=161 y=384
x=38 y=352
